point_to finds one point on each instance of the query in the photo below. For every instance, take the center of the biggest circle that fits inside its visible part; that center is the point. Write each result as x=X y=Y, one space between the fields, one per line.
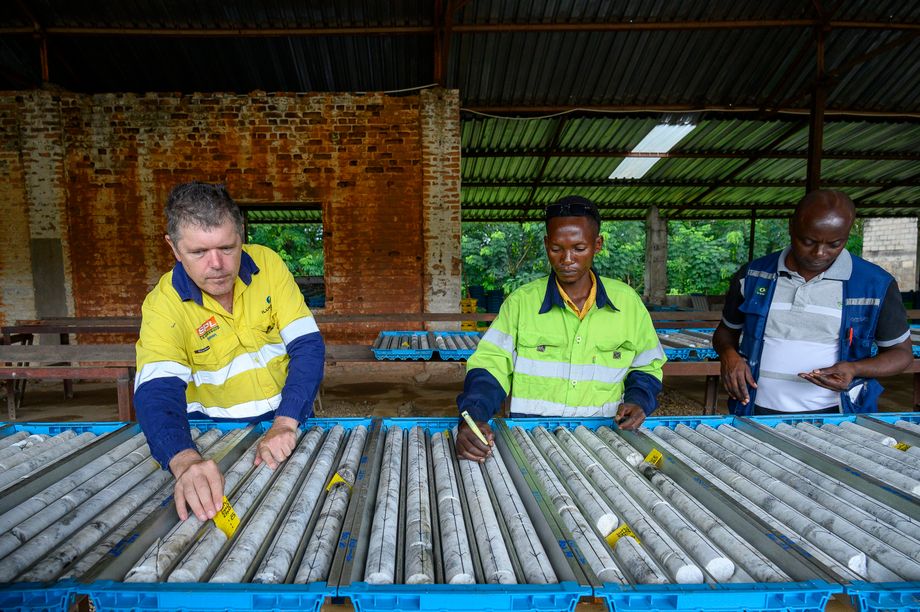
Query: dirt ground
x=385 y=389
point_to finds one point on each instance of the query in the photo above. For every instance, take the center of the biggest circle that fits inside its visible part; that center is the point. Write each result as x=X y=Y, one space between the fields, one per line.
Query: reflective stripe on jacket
x=554 y=364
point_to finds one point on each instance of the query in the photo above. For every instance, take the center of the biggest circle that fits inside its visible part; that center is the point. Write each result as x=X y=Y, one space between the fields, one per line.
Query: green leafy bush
x=702 y=255
x=300 y=246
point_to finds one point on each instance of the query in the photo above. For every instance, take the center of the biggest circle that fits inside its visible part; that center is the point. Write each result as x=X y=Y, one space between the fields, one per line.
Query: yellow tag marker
x=469 y=421
x=226 y=519
x=336 y=479
x=654 y=457
x=902 y=446
x=623 y=531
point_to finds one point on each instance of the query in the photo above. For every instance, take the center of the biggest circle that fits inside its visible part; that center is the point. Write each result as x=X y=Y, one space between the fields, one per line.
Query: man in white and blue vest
x=572 y=344
x=798 y=326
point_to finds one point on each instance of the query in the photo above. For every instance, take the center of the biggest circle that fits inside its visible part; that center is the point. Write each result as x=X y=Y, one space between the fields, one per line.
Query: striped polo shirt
x=802 y=334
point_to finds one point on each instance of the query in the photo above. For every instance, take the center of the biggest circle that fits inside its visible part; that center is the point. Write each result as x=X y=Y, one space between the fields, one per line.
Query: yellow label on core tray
x=623 y=531
x=336 y=480
x=654 y=457
x=902 y=446
x=226 y=519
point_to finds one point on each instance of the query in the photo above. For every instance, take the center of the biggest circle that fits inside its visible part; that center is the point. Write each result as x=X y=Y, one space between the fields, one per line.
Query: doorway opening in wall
x=295 y=232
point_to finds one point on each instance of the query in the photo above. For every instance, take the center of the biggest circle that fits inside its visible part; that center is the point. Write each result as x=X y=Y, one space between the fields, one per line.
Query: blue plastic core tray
x=788 y=597
x=457 y=354
x=408 y=353
x=403 y=353
x=688 y=353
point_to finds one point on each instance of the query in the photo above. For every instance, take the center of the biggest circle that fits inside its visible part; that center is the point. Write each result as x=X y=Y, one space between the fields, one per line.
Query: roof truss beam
x=745 y=154
x=712 y=110
x=790 y=131
x=748 y=206
x=473 y=28
x=914 y=181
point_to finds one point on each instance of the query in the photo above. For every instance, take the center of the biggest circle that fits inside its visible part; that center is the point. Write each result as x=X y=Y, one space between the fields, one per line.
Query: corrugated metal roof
x=502 y=52
x=733 y=61
x=221 y=13
x=551 y=11
x=740 y=66
x=283 y=213
x=725 y=167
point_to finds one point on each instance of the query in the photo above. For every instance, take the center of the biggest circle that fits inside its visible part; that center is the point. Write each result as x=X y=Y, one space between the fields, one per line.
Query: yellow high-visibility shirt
x=234 y=365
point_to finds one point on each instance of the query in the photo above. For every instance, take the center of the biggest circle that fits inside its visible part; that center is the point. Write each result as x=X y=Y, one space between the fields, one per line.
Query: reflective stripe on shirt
x=162 y=369
x=298 y=328
x=238 y=411
x=563 y=369
x=239 y=365
x=646 y=357
x=547 y=408
x=499 y=339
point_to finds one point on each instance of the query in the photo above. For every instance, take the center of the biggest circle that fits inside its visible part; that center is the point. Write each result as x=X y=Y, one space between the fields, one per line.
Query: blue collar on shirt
x=554 y=298
x=188 y=290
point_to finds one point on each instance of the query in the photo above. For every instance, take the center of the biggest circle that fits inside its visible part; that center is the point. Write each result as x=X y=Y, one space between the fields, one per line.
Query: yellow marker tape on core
x=654 y=457
x=622 y=531
x=226 y=519
x=336 y=480
x=902 y=446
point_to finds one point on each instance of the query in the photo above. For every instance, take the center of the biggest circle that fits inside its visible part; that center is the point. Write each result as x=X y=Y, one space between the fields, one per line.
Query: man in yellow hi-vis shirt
x=573 y=344
x=225 y=335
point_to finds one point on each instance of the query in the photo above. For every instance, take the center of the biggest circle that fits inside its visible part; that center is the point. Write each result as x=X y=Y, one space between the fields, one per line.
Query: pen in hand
x=474 y=427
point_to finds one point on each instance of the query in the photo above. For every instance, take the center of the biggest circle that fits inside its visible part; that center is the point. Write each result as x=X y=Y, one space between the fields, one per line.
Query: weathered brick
x=96 y=170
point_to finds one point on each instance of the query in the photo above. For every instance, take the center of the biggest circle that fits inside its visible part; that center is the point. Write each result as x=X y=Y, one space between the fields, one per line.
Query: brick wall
x=440 y=129
x=16 y=296
x=95 y=171
x=892 y=244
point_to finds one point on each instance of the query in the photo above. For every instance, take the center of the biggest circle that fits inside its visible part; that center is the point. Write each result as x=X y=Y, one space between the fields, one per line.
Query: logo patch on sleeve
x=208 y=326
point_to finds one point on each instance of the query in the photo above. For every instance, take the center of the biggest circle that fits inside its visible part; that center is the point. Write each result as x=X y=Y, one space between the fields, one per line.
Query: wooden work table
x=112 y=361
x=64 y=326
x=117 y=362
x=68 y=363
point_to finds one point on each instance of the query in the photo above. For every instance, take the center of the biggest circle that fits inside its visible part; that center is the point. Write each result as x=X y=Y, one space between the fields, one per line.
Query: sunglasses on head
x=571 y=209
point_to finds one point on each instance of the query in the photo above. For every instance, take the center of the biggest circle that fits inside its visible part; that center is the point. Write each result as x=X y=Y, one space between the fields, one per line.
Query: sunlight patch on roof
x=661 y=139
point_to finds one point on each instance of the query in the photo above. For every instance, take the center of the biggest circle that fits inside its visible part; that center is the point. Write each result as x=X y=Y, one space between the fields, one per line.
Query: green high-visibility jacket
x=553 y=364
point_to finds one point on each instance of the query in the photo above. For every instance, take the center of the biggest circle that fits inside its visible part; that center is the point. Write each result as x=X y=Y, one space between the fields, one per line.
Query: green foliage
x=300 y=246
x=623 y=255
x=855 y=243
x=700 y=260
x=769 y=235
x=702 y=255
x=502 y=255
